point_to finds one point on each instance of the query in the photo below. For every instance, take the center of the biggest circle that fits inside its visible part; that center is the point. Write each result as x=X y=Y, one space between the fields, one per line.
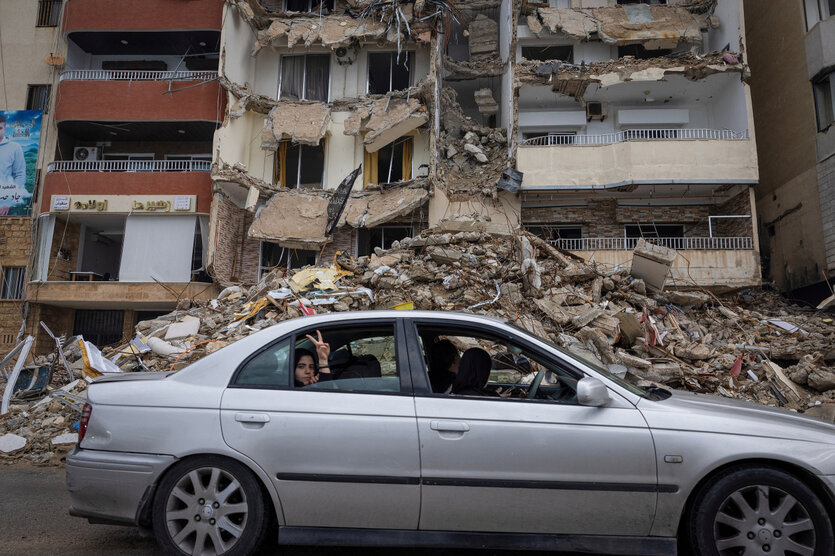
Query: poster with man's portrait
x=20 y=136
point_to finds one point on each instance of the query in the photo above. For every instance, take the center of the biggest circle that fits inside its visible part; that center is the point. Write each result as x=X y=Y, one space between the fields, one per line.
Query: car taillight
x=85 y=418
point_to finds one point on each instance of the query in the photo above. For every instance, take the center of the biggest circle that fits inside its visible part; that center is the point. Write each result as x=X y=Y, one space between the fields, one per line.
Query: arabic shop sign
x=124 y=203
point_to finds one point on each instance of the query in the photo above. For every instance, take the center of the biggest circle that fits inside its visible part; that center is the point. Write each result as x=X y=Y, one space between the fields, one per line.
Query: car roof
x=392 y=313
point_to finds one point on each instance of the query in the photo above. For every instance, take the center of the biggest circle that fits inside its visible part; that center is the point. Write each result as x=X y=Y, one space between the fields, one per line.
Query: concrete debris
x=301 y=122
x=385 y=120
x=487 y=105
x=331 y=31
x=654 y=27
x=683 y=339
x=650 y=264
x=297 y=219
x=484 y=36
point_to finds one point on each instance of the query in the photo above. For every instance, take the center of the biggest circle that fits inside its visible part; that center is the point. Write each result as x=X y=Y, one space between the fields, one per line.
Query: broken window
x=380 y=236
x=315 y=6
x=274 y=255
x=638 y=51
x=305 y=77
x=388 y=71
x=12 y=287
x=825 y=100
x=564 y=53
x=300 y=166
x=548 y=138
x=390 y=164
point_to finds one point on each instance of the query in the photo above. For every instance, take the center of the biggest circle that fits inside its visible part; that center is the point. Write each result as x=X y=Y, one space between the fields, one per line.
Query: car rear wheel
x=760 y=511
x=209 y=506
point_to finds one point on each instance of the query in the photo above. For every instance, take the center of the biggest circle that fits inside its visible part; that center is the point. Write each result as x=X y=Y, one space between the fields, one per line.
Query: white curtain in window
x=46 y=229
x=157 y=247
x=292 y=77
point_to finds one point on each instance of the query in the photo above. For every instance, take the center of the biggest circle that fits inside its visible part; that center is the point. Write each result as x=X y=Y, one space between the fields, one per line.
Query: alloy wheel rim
x=206 y=512
x=762 y=519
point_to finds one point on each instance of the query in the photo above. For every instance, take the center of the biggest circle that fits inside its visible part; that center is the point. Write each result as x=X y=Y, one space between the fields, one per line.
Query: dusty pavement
x=34 y=521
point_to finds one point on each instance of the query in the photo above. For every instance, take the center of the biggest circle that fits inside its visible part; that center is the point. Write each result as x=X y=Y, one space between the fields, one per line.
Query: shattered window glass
x=389 y=72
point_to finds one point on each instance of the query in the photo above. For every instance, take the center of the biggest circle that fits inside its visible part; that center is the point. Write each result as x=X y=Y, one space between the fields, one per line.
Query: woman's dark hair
x=473 y=370
x=301 y=352
x=442 y=355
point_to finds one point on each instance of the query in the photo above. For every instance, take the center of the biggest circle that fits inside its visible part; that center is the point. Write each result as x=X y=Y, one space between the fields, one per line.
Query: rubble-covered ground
x=754 y=345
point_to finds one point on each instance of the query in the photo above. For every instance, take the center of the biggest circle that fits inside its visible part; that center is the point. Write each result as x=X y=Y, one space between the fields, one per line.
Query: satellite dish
x=54 y=59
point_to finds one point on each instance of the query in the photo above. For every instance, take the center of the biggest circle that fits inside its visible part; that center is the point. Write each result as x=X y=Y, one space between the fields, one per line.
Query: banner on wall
x=20 y=136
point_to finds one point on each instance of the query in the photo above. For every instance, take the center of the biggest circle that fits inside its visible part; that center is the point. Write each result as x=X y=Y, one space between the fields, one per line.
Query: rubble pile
x=753 y=346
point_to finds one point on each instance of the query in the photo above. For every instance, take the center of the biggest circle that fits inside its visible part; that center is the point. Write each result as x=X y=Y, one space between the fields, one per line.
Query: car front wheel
x=209 y=506
x=760 y=511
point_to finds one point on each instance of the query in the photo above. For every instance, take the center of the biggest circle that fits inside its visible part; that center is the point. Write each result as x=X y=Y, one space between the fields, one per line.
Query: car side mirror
x=592 y=392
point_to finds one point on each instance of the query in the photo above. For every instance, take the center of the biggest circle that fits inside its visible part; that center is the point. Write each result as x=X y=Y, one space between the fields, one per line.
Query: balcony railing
x=137 y=75
x=130 y=166
x=636 y=135
x=629 y=243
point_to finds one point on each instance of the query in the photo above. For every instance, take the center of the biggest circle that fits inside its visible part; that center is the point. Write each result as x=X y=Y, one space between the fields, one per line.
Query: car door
x=337 y=457
x=533 y=466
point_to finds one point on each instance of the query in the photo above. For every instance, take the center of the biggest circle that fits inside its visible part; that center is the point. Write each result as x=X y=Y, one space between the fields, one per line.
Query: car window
x=361 y=359
x=270 y=368
x=510 y=371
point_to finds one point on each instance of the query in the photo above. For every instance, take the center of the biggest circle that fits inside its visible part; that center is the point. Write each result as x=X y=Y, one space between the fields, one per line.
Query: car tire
x=209 y=505
x=760 y=510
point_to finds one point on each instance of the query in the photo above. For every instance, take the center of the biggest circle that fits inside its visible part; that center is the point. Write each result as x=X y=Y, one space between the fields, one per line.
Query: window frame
x=19 y=284
x=825 y=80
x=422 y=386
x=304 y=76
x=280 y=165
x=32 y=91
x=49 y=13
x=411 y=56
x=401 y=357
x=370 y=172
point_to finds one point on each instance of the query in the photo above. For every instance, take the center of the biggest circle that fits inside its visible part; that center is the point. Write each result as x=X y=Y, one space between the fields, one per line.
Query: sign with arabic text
x=20 y=138
x=127 y=204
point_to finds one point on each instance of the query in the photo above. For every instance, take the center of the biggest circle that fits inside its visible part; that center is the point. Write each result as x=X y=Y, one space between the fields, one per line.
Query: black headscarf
x=299 y=353
x=473 y=372
x=442 y=355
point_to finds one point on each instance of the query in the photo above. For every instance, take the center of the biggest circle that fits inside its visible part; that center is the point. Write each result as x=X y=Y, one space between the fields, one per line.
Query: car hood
x=708 y=413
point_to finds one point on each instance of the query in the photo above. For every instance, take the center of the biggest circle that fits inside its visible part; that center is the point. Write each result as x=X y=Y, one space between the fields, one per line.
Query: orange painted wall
x=129 y=183
x=138 y=101
x=133 y=15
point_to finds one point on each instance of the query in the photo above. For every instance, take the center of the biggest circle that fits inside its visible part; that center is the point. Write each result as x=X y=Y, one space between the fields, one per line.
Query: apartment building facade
x=641 y=128
x=618 y=134
x=122 y=218
x=29 y=33
x=793 y=82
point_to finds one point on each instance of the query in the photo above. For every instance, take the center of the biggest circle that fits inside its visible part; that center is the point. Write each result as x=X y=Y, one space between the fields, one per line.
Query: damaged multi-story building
x=590 y=122
x=793 y=83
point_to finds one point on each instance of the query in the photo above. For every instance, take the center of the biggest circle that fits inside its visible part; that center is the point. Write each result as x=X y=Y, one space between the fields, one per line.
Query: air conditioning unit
x=596 y=111
x=83 y=154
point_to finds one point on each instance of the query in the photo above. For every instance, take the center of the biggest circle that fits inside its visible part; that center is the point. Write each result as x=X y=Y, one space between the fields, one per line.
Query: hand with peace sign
x=323 y=350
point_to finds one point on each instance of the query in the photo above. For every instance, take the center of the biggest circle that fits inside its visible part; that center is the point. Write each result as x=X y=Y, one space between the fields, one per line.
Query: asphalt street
x=34 y=521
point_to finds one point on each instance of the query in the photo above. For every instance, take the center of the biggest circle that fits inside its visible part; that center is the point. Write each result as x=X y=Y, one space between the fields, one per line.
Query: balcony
x=677 y=243
x=719 y=263
x=139 y=96
x=130 y=177
x=119 y=295
x=122 y=15
x=636 y=156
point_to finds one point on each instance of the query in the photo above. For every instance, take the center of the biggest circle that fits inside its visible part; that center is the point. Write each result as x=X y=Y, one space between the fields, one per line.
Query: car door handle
x=252 y=417
x=449 y=426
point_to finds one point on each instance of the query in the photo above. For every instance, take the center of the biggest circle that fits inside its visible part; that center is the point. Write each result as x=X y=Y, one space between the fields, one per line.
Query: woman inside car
x=473 y=374
x=309 y=369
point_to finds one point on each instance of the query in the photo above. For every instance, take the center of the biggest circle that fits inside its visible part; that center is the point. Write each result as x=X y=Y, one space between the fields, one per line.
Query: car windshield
x=593 y=364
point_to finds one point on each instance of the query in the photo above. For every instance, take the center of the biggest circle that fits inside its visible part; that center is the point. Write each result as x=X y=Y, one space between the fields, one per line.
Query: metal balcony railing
x=636 y=135
x=130 y=166
x=629 y=243
x=137 y=75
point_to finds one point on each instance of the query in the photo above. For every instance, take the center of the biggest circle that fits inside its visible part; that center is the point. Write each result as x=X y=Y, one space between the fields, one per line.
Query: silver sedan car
x=415 y=428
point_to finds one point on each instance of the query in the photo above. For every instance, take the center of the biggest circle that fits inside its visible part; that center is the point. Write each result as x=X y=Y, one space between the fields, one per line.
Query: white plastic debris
x=188 y=327
x=68 y=438
x=11 y=442
x=161 y=347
